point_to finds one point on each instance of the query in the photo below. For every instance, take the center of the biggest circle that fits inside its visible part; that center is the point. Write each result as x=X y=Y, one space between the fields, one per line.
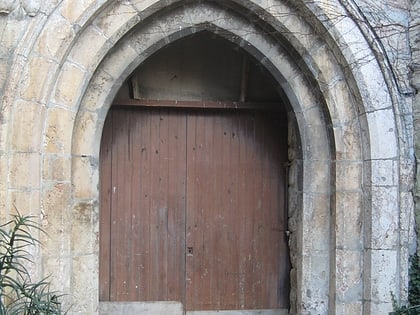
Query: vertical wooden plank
x=177 y=205
x=140 y=219
x=120 y=200
x=167 y=206
x=246 y=163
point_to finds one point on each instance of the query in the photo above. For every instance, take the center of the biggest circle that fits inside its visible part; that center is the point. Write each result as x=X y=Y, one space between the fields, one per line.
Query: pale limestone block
x=382 y=135
x=373 y=87
x=55 y=218
x=27 y=202
x=69 y=83
x=119 y=18
x=97 y=95
x=352 y=140
x=83 y=239
x=142 y=40
x=385 y=216
x=319 y=171
x=350 y=38
x=349 y=220
x=56 y=167
x=328 y=73
x=407 y=220
x=4 y=208
x=58 y=130
x=207 y=13
x=74 y=10
x=340 y=102
x=314 y=119
x=151 y=308
x=84 y=279
x=384 y=172
x=315 y=283
x=84 y=142
x=383 y=275
x=317 y=215
x=4 y=169
x=120 y=62
x=36 y=76
x=316 y=233
x=403 y=274
x=349 y=273
x=85 y=177
x=349 y=175
x=88 y=50
x=303 y=93
x=27 y=126
x=142 y=5
x=9 y=39
x=58 y=268
x=316 y=147
x=25 y=170
x=4 y=70
x=383 y=308
x=354 y=308
x=298 y=31
x=347 y=142
x=56 y=35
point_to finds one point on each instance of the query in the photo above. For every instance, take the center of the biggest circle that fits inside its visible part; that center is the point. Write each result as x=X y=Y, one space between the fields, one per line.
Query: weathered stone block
x=57 y=35
x=84 y=280
x=385 y=218
x=151 y=308
x=349 y=220
x=349 y=276
x=25 y=170
x=85 y=177
x=349 y=175
x=87 y=123
x=69 y=83
x=58 y=130
x=36 y=77
x=382 y=274
x=120 y=18
x=355 y=308
x=27 y=126
x=89 y=56
x=56 y=167
x=73 y=11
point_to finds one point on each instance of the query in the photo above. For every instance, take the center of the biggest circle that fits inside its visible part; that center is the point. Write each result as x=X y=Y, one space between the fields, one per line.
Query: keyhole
x=190 y=251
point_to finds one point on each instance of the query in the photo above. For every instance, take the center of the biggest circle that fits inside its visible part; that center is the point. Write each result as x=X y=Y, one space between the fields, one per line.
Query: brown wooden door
x=193 y=208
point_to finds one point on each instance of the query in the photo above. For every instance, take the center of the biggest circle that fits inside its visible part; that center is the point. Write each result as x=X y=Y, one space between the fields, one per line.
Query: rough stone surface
x=350 y=71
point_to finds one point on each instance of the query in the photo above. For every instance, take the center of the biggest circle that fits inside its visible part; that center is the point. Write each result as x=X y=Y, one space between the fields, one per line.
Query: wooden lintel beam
x=197 y=104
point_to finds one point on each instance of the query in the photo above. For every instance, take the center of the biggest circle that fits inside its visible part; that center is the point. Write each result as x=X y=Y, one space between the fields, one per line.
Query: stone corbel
x=29 y=7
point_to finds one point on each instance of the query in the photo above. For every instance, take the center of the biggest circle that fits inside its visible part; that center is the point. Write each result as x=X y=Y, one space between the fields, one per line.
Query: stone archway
x=344 y=115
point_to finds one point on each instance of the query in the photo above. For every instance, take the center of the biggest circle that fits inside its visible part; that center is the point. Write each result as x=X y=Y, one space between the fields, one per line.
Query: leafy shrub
x=18 y=294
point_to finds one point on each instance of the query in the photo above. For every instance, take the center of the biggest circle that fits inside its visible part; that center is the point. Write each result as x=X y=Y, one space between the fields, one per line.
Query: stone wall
x=351 y=209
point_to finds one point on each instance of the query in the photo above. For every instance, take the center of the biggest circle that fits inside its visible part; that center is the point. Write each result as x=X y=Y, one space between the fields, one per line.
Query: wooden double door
x=193 y=208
